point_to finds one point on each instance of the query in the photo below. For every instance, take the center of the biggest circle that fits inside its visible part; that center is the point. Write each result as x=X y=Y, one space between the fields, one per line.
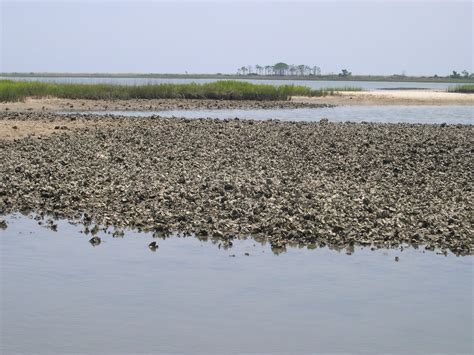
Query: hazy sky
x=383 y=37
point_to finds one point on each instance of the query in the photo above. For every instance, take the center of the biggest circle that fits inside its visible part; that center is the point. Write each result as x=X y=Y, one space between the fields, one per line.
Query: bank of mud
x=314 y=184
x=74 y=105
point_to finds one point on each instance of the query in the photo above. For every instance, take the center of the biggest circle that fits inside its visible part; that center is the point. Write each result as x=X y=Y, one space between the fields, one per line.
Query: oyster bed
x=315 y=184
x=64 y=105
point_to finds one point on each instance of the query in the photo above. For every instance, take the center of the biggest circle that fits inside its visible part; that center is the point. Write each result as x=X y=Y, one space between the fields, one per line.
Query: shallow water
x=383 y=114
x=60 y=294
x=367 y=85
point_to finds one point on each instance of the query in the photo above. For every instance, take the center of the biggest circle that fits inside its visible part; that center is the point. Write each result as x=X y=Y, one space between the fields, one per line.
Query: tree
x=316 y=70
x=455 y=75
x=465 y=74
x=345 y=73
x=301 y=68
x=280 y=68
x=292 y=69
x=284 y=69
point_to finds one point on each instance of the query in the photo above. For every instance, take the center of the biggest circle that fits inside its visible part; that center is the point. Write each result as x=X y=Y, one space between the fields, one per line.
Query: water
x=384 y=114
x=367 y=85
x=61 y=295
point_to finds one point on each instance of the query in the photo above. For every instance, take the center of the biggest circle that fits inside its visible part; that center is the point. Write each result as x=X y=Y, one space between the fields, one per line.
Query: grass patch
x=335 y=90
x=466 y=89
x=226 y=90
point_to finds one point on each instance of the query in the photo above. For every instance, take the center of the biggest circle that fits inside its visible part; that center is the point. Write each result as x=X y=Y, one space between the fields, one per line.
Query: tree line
x=280 y=69
x=464 y=74
x=283 y=69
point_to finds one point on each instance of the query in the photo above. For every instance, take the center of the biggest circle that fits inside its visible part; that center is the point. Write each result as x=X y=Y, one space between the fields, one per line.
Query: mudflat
x=19 y=128
x=308 y=183
x=371 y=98
x=71 y=105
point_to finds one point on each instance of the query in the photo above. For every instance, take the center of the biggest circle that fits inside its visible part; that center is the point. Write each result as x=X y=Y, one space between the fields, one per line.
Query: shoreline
x=313 y=184
x=354 y=78
x=392 y=97
x=353 y=98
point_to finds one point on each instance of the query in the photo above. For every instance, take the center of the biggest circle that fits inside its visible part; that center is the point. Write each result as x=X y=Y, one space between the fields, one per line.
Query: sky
x=366 y=37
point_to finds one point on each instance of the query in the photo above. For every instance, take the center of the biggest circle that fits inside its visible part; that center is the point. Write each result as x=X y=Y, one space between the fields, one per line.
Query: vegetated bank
x=222 y=90
x=466 y=89
x=310 y=184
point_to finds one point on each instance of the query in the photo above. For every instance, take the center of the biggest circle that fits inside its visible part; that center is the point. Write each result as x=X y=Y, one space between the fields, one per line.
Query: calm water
x=368 y=85
x=387 y=114
x=59 y=295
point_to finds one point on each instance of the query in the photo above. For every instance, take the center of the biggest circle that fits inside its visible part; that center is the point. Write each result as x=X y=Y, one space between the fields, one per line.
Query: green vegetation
x=305 y=72
x=464 y=75
x=326 y=77
x=345 y=73
x=228 y=90
x=335 y=90
x=280 y=69
x=466 y=89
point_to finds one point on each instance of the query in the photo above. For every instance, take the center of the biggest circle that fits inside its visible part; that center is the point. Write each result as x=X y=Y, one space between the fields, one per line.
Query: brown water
x=60 y=295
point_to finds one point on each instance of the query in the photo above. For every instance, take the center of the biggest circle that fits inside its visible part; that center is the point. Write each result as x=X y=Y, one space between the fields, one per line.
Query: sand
x=393 y=97
x=15 y=129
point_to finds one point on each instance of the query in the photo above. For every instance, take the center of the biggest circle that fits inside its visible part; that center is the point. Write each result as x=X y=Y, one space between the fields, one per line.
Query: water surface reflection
x=60 y=294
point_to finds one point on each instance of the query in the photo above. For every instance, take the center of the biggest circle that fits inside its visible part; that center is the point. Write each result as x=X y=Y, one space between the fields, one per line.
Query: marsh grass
x=466 y=89
x=226 y=90
x=335 y=90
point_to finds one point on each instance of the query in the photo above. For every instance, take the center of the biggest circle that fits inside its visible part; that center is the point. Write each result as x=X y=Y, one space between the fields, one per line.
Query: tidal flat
x=313 y=184
x=337 y=98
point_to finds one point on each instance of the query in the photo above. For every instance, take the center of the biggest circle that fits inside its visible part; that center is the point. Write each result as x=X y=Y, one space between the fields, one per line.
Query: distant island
x=304 y=70
x=279 y=71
